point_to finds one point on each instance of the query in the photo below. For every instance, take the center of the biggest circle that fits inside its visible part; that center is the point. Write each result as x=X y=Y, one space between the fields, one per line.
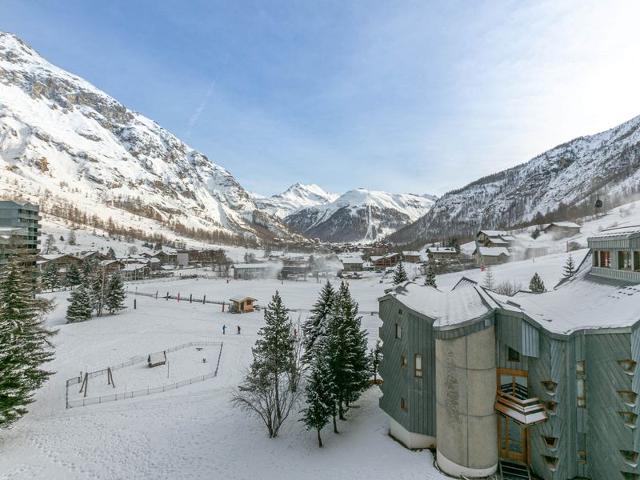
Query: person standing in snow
x=224 y=329
x=238 y=329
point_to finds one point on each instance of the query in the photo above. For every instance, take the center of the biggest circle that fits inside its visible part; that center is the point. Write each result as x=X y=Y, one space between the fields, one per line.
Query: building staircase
x=514 y=471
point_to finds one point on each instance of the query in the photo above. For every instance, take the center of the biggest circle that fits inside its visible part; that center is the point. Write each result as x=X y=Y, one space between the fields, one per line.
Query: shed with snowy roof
x=562 y=229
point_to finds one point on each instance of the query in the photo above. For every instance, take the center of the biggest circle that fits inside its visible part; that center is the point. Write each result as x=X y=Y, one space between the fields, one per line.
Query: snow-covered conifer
x=24 y=343
x=115 y=296
x=81 y=305
x=400 y=275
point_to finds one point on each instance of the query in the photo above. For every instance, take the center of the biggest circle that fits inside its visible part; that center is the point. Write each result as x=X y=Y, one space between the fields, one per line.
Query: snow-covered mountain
x=360 y=215
x=569 y=175
x=65 y=142
x=296 y=197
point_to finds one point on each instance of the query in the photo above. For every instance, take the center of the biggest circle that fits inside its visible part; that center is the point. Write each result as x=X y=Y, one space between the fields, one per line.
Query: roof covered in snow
x=625 y=231
x=445 y=308
x=493 y=251
x=563 y=225
x=441 y=250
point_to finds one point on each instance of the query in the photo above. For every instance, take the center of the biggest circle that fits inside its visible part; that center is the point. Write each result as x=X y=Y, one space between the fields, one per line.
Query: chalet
x=562 y=229
x=441 y=253
x=241 y=304
x=165 y=258
x=384 y=261
x=135 y=271
x=494 y=238
x=491 y=255
x=295 y=267
x=61 y=260
x=411 y=256
x=536 y=384
x=352 y=264
x=252 y=271
x=111 y=266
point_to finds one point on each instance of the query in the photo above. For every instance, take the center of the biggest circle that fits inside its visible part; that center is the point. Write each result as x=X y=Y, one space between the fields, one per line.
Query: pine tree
x=316 y=324
x=357 y=347
x=536 y=285
x=430 y=279
x=115 y=295
x=488 y=283
x=81 y=306
x=270 y=388
x=24 y=343
x=73 y=276
x=51 y=277
x=319 y=392
x=98 y=291
x=569 y=269
x=375 y=357
x=400 y=275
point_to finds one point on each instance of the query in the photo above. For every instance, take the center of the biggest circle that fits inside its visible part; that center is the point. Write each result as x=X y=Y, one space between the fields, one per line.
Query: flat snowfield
x=192 y=432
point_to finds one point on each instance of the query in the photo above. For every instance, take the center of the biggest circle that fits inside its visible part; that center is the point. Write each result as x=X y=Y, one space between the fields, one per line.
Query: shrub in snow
x=536 y=285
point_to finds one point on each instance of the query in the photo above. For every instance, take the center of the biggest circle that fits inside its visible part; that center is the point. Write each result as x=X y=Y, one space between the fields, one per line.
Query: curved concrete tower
x=467 y=442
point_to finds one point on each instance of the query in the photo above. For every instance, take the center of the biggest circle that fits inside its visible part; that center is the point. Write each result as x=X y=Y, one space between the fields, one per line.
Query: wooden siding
x=613 y=273
x=400 y=382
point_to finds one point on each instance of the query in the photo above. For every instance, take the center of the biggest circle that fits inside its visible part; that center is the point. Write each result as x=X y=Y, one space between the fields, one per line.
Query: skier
x=224 y=329
x=238 y=329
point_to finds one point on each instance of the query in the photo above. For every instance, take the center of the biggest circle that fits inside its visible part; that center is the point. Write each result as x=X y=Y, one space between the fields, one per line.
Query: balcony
x=512 y=401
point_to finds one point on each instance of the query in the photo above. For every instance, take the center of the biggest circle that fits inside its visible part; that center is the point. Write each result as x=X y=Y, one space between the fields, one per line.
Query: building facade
x=20 y=225
x=542 y=382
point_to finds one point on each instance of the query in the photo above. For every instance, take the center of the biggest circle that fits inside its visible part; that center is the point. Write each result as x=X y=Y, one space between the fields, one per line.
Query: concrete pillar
x=465 y=396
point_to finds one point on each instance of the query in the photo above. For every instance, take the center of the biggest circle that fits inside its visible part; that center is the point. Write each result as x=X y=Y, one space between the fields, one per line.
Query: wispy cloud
x=193 y=119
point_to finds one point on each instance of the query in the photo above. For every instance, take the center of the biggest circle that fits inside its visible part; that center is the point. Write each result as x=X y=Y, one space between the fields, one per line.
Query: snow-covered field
x=193 y=432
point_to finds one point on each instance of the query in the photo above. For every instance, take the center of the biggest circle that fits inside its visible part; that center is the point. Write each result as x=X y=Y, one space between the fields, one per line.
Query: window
x=624 y=260
x=398 y=331
x=596 y=256
x=630 y=419
x=399 y=311
x=403 y=360
x=550 y=386
x=513 y=355
x=605 y=259
x=629 y=366
x=630 y=457
x=551 y=407
x=550 y=442
x=628 y=397
x=580 y=384
x=418 y=365
x=582 y=456
x=636 y=261
x=552 y=462
x=403 y=404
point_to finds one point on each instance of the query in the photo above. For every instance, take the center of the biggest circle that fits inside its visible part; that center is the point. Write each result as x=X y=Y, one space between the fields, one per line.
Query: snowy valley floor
x=194 y=432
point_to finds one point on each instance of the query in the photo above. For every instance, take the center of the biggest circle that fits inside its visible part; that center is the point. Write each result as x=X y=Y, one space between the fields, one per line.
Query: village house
x=535 y=383
x=385 y=261
x=411 y=256
x=494 y=238
x=441 y=253
x=111 y=266
x=165 y=258
x=485 y=256
x=352 y=263
x=135 y=271
x=561 y=229
x=62 y=261
x=255 y=271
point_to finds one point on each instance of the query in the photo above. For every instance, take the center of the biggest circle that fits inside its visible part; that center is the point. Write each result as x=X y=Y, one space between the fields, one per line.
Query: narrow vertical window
x=398 y=331
x=580 y=384
x=418 y=365
x=403 y=360
x=403 y=404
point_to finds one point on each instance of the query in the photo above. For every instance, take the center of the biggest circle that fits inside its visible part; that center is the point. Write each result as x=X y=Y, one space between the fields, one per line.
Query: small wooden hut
x=242 y=304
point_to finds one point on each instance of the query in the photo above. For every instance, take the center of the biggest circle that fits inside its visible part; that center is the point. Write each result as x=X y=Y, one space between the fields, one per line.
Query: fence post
x=190 y=297
x=204 y=299
x=167 y=296
x=156 y=294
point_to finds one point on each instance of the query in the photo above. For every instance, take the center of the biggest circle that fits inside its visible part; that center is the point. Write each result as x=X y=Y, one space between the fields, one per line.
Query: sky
x=395 y=95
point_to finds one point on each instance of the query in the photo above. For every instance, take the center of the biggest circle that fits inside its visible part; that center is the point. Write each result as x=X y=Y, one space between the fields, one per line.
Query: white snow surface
x=192 y=432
